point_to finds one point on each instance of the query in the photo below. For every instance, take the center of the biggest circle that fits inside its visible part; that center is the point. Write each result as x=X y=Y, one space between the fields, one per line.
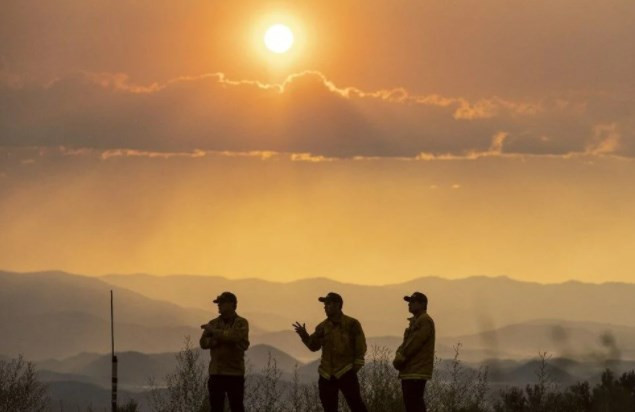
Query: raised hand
x=301 y=330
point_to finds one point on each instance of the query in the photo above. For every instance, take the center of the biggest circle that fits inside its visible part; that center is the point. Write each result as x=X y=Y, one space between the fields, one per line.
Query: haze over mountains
x=461 y=306
x=53 y=314
x=492 y=317
x=61 y=321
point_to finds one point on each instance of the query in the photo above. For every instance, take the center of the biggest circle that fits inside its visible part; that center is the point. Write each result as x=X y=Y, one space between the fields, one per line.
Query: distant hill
x=136 y=368
x=459 y=307
x=287 y=341
x=560 y=370
x=84 y=379
x=589 y=341
x=53 y=314
x=70 y=313
x=40 y=293
x=82 y=396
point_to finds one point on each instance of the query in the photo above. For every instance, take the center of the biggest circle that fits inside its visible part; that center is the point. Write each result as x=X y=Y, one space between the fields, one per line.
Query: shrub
x=464 y=390
x=20 y=390
x=186 y=388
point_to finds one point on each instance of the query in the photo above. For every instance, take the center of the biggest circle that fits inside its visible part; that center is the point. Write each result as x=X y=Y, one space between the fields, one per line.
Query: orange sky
x=395 y=140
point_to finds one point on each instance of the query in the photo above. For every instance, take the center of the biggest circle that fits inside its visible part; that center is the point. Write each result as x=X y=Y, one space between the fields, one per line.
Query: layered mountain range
x=55 y=314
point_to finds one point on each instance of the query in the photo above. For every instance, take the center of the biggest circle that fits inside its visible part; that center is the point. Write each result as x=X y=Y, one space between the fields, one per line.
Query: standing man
x=227 y=338
x=415 y=357
x=343 y=345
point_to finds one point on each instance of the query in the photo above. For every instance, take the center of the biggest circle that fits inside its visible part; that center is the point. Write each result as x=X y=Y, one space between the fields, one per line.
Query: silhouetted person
x=343 y=345
x=227 y=338
x=415 y=357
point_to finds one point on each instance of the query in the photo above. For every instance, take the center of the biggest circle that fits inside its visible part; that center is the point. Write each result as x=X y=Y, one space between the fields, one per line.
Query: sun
x=279 y=38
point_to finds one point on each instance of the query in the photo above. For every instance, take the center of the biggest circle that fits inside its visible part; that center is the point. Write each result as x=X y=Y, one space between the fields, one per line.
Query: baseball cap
x=331 y=297
x=416 y=297
x=226 y=297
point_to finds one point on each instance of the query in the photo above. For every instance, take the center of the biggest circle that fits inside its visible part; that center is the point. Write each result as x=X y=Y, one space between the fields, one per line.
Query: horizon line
x=309 y=278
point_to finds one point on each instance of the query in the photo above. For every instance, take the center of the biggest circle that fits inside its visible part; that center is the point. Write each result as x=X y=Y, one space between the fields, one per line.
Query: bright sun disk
x=279 y=38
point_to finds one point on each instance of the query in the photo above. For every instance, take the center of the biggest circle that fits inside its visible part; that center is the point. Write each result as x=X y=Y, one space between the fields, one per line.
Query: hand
x=209 y=330
x=301 y=330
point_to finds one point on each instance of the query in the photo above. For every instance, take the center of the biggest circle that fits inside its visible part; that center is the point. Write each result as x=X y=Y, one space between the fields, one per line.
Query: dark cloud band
x=306 y=114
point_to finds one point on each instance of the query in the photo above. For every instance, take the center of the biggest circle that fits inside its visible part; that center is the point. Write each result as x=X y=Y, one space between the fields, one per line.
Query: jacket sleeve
x=314 y=341
x=206 y=341
x=238 y=334
x=420 y=334
x=359 y=344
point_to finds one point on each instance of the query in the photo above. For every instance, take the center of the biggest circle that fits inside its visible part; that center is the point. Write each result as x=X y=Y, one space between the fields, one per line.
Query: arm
x=206 y=341
x=359 y=347
x=238 y=334
x=399 y=358
x=314 y=341
x=420 y=334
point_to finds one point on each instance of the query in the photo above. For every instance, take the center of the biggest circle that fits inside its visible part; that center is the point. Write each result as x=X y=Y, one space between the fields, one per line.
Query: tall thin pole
x=114 y=358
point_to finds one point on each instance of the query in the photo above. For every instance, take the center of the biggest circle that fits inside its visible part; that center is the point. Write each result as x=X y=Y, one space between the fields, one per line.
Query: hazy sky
x=394 y=140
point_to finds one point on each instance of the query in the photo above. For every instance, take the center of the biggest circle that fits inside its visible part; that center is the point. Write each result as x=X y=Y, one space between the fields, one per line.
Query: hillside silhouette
x=154 y=314
x=463 y=306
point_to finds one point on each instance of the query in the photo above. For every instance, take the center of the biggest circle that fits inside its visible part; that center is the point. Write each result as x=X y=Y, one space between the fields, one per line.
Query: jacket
x=227 y=345
x=415 y=356
x=343 y=346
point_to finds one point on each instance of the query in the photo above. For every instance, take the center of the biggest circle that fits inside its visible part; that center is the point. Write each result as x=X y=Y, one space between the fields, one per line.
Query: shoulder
x=351 y=321
x=425 y=320
x=320 y=326
x=214 y=321
x=240 y=321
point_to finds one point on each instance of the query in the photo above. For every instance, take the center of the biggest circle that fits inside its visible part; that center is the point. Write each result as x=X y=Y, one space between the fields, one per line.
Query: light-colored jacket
x=415 y=356
x=227 y=346
x=343 y=346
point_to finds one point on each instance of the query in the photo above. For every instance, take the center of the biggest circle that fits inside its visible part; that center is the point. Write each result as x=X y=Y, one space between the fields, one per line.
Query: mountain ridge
x=313 y=278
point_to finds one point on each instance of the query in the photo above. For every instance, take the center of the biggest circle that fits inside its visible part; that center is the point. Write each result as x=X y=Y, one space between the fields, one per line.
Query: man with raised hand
x=343 y=345
x=415 y=357
x=227 y=338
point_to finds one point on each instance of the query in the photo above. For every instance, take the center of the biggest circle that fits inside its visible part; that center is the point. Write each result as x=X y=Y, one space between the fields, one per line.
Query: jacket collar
x=230 y=319
x=413 y=317
x=336 y=319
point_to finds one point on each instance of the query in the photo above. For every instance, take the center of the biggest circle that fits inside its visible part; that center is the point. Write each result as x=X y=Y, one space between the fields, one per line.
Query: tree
x=381 y=388
x=264 y=392
x=185 y=389
x=460 y=390
x=20 y=390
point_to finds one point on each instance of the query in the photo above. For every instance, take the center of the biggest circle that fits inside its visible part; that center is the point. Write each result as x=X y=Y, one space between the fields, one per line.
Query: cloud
x=307 y=115
x=108 y=154
x=308 y=157
x=580 y=44
x=606 y=139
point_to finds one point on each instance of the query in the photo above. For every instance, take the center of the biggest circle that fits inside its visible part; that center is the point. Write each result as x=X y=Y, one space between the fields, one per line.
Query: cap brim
x=407 y=298
x=322 y=299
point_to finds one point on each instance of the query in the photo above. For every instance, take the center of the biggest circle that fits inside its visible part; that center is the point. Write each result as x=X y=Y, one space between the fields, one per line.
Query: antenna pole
x=114 y=358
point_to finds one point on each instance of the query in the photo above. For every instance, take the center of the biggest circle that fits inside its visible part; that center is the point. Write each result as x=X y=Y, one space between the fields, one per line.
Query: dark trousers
x=413 y=391
x=349 y=385
x=233 y=386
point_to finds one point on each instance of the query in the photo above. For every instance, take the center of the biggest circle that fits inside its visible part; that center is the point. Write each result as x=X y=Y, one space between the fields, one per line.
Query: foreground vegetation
x=454 y=388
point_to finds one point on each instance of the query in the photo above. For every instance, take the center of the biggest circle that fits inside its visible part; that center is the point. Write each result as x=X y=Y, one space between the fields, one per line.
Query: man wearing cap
x=227 y=338
x=415 y=357
x=343 y=345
